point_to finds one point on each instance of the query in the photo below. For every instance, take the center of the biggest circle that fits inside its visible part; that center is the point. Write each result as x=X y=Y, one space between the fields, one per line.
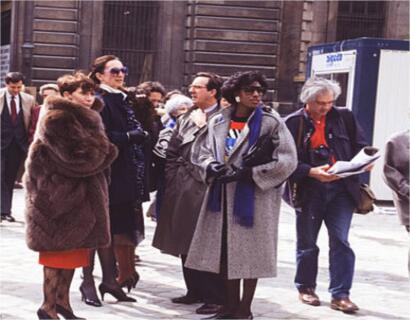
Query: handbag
x=291 y=195
x=367 y=199
x=261 y=152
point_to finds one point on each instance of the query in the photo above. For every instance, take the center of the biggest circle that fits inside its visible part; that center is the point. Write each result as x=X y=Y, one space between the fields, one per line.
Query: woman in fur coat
x=67 y=189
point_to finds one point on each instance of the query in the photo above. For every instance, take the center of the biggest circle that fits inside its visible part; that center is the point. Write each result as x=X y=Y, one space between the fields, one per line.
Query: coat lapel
x=221 y=129
x=193 y=131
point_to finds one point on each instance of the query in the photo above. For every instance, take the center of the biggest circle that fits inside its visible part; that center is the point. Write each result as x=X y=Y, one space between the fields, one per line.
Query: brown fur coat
x=66 y=179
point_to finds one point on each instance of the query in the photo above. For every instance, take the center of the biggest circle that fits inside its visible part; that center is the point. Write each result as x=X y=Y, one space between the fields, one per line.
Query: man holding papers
x=324 y=134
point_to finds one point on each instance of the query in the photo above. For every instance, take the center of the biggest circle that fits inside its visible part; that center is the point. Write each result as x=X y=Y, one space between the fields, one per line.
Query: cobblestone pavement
x=381 y=284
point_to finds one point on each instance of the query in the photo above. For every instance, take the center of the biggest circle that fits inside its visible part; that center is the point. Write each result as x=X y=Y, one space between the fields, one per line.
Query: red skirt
x=69 y=259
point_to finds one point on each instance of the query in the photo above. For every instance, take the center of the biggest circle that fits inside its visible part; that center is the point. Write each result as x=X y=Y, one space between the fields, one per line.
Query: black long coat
x=123 y=187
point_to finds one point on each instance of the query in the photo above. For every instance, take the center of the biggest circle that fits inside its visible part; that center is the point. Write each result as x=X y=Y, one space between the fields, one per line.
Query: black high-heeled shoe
x=44 y=315
x=128 y=283
x=91 y=301
x=136 y=277
x=115 y=292
x=67 y=314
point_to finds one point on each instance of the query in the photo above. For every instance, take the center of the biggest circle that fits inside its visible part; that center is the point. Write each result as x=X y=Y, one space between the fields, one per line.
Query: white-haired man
x=324 y=134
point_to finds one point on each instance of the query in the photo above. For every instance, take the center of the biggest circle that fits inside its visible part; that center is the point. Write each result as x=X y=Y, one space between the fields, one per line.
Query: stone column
x=396 y=23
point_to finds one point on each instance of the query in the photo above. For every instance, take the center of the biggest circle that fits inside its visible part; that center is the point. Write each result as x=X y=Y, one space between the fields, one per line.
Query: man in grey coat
x=184 y=192
x=396 y=173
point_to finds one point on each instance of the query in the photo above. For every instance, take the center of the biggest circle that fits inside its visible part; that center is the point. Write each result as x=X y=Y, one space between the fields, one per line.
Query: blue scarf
x=244 y=200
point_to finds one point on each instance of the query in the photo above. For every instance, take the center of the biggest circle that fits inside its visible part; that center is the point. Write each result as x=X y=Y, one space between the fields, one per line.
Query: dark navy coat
x=123 y=186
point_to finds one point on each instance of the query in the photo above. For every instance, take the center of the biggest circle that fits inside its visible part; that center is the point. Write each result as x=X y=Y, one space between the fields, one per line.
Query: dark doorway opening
x=357 y=19
x=130 y=32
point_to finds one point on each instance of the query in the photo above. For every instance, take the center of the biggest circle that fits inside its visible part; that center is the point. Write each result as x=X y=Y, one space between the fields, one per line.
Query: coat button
x=264 y=170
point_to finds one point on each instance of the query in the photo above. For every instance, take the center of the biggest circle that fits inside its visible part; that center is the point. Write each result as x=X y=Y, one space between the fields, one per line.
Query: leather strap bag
x=291 y=195
x=367 y=199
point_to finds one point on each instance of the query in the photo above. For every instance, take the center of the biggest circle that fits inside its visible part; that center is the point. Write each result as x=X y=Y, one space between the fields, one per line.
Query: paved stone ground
x=381 y=285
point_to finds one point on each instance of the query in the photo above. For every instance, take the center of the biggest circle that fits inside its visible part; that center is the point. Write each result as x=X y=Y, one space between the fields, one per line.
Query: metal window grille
x=130 y=32
x=360 y=19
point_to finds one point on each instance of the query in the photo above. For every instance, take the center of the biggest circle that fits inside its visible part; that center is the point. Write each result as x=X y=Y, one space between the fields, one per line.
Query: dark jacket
x=66 y=179
x=342 y=143
x=123 y=187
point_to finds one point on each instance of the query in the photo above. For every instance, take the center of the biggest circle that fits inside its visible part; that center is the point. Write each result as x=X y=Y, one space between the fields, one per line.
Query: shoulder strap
x=300 y=133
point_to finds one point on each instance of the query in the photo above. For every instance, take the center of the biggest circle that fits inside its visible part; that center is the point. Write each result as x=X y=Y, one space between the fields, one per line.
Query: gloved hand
x=237 y=174
x=137 y=136
x=261 y=152
x=215 y=169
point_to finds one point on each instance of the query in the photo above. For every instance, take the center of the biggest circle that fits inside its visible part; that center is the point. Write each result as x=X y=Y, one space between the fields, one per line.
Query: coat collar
x=221 y=129
x=193 y=131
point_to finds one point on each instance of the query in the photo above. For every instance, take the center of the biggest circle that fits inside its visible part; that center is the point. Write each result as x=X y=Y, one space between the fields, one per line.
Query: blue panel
x=366 y=73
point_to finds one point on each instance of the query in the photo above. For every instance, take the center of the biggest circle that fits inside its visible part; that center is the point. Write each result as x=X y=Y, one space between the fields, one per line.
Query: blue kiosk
x=375 y=78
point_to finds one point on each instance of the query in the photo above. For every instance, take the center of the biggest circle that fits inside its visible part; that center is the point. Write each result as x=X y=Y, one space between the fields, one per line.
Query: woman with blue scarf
x=248 y=153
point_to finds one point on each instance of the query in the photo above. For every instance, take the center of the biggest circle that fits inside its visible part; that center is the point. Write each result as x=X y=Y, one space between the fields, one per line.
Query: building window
x=130 y=32
x=5 y=27
x=360 y=19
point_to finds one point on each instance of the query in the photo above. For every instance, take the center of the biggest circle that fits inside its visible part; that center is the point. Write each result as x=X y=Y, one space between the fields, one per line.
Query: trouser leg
x=341 y=256
x=308 y=223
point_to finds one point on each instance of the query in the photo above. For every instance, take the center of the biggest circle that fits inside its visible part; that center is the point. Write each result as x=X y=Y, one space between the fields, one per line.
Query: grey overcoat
x=184 y=191
x=396 y=172
x=251 y=252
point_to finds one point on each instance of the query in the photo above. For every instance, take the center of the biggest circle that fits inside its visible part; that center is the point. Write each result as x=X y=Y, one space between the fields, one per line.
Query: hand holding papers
x=364 y=159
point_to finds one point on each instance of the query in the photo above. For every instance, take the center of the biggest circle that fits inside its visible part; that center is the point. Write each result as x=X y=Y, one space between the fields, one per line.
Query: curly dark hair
x=152 y=86
x=71 y=82
x=239 y=80
x=144 y=112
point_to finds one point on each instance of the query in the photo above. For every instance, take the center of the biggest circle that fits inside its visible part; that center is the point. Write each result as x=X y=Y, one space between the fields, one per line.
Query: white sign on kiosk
x=339 y=66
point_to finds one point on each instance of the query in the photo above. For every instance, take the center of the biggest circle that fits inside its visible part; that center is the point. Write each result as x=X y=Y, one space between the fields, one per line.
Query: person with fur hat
x=67 y=189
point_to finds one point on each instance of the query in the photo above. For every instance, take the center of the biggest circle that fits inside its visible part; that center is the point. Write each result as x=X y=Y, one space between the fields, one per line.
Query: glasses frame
x=251 y=89
x=115 y=70
x=197 y=86
x=325 y=103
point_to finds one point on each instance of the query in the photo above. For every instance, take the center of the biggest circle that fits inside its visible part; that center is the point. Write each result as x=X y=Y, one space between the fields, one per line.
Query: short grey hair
x=176 y=102
x=318 y=85
x=47 y=86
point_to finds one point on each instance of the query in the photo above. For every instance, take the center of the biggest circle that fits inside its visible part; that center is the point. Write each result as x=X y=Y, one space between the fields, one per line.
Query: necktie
x=13 y=109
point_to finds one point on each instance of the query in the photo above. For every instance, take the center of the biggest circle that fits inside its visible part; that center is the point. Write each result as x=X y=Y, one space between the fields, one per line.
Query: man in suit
x=15 y=111
x=184 y=191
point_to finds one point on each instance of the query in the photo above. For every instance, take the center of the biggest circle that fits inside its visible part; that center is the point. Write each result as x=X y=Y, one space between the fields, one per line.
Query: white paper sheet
x=357 y=165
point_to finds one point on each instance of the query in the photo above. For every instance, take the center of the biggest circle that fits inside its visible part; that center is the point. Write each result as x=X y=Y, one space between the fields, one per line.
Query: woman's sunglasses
x=252 y=89
x=114 y=70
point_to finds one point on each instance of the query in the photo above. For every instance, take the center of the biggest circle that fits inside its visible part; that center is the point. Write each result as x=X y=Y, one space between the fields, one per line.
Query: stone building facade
x=170 y=41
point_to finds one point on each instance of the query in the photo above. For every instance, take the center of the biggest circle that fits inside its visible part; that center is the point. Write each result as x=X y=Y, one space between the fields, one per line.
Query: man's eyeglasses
x=196 y=86
x=252 y=89
x=325 y=103
x=115 y=70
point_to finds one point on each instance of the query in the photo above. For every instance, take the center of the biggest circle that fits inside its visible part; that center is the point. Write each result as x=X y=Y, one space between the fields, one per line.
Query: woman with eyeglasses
x=248 y=154
x=126 y=184
x=67 y=187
